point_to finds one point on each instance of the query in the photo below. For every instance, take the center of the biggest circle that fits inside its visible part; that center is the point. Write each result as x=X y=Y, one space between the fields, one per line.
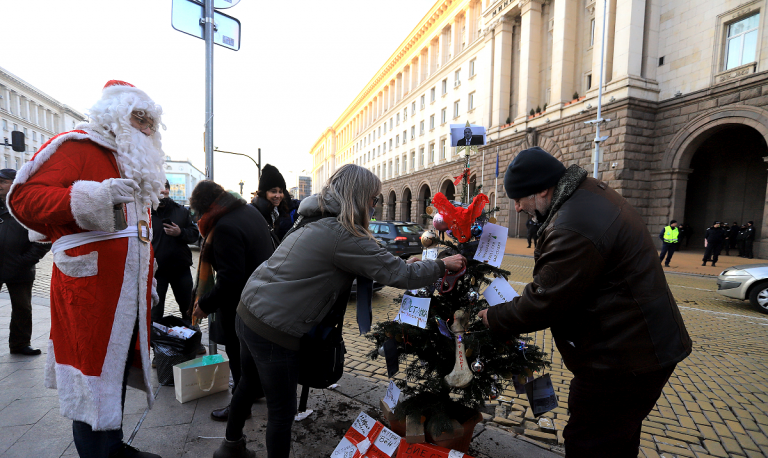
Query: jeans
x=232 y=343
x=667 y=249
x=100 y=444
x=274 y=369
x=626 y=400
x=21 y=314
x=181 y=282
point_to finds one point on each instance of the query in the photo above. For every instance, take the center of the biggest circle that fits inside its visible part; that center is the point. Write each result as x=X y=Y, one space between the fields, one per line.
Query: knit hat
x=8 y=174
x=271 y=178
x=533 y=170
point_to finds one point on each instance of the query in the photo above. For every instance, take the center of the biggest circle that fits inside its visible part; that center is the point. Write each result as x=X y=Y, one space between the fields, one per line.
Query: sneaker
x=126 y=451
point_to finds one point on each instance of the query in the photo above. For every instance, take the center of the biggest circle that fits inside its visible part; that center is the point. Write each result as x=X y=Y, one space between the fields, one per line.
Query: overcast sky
x=300 y=64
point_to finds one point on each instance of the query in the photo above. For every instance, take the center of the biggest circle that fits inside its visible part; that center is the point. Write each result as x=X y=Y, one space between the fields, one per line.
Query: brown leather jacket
x=598 y=284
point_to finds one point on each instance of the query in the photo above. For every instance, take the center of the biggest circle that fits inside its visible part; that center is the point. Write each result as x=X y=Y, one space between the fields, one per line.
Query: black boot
x=713 y=265
x=126 y=451
x=223 y=414
x=233 y=449
x=704 y=263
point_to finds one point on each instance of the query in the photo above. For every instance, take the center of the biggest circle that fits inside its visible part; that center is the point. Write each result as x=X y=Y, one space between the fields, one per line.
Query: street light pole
x=600 y=120
x=208 y=31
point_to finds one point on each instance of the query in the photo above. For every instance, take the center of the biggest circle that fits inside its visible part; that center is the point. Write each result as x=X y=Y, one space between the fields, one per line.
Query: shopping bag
x=200 y=377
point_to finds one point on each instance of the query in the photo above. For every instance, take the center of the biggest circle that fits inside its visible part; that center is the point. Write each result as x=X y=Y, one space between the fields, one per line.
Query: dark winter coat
x=715 y=235
x=749 y=233
x=280 y=225
x=18 y=255
x=733 y=232
x=172 y=253
x=598 y=284
x=533 y=227
x=241 y=242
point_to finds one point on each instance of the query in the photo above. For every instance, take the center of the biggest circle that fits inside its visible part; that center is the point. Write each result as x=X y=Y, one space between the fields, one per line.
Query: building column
x=530 y=59
x=563 y=53
x=628 y=39
x=599 y=13
x=455 y=37
x=502 y=70
x=432 y=58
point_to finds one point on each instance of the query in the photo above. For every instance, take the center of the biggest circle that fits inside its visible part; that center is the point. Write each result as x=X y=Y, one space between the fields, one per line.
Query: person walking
x=598 y=286
x=308 y=278
x=18 y=257
x=733 y=233
x=237 y=240
x=714 y=239
x=89 y=191
x=670 y=237
x=749 y=240
x=172 y=232
x=533 y=227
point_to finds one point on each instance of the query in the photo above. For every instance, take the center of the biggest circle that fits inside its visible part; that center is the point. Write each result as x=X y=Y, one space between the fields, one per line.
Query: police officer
x=533 y=228
x=715 y=237
x=749 y=240
x=669 y=237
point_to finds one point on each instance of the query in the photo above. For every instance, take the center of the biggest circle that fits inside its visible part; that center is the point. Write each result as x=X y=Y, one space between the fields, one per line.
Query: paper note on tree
x=392 y=396
x=414 y=311
x=429 y=253
x=492 y=244
x=499 y=292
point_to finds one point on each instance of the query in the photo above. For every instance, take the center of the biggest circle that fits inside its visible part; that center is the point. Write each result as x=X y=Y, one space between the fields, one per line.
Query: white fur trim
x=50 y=367
x=91 y=204
x=37 y=237
x=31 y=167
x=86 y=265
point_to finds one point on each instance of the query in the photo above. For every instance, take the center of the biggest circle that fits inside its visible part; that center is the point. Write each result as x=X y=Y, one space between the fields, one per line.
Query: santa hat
x=271 y=178
x=116 y=89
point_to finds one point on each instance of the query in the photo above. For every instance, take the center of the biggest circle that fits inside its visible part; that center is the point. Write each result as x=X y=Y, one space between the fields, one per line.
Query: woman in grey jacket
x=295 y=289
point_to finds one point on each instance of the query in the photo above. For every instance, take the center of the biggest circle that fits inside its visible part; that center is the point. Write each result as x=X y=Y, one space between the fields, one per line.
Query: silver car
x=744 y=282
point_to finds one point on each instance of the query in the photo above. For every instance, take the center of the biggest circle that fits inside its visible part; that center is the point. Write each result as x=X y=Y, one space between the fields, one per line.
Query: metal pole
x=600 y=95
x=259 y=164
x=208 y=33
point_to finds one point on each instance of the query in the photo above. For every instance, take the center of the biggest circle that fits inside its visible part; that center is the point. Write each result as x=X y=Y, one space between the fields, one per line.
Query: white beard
x=141 y=159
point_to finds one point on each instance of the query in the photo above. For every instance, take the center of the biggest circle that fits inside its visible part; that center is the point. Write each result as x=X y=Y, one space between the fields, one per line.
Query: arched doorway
x=425 y=198
x=405 y=205
x=391 y=206
x=728 y=180
x=448 y=190
x=379 y=212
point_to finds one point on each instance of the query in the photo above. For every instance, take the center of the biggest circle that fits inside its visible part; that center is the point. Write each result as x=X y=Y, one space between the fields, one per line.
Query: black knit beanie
x=271 y=178
x=532 y=171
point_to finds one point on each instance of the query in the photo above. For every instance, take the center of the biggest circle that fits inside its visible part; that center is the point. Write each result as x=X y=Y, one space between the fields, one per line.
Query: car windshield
x=409 y=229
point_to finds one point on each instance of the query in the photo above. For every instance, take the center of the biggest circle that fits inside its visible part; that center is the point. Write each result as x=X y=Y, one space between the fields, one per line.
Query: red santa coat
x=98 y=289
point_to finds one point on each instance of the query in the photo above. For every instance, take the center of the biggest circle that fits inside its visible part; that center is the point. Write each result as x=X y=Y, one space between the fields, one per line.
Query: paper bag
x=200 y=377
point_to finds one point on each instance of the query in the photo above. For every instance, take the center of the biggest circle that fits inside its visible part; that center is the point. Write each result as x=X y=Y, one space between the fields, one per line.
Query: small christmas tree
x=437 y=357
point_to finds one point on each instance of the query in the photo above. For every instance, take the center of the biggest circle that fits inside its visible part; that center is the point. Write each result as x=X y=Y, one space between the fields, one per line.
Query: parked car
x=749 y=281
x=398 y=237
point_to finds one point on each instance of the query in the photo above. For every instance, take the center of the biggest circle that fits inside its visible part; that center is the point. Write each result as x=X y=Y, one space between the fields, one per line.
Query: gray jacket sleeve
x=364 y=256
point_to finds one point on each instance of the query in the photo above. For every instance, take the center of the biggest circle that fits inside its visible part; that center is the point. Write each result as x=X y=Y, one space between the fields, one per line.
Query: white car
x=749 y=281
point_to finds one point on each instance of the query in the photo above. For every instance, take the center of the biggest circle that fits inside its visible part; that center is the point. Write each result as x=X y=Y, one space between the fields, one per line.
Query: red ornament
x=460 y=219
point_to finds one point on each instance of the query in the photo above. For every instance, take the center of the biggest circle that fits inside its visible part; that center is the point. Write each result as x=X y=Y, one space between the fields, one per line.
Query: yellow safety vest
x=670 y=234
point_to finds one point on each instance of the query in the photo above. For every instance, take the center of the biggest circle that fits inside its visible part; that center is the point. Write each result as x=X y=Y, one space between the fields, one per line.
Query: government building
x=26 y=109
x=685 y=117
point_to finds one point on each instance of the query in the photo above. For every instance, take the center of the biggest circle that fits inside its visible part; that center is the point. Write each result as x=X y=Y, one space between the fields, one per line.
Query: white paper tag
x=363 y=423
x=455 y=454
x=490 y=250
x=499 y=292
x=392 y=396
x=345 y=449
x=429 y=253
x=387 y=441
x=414 y=311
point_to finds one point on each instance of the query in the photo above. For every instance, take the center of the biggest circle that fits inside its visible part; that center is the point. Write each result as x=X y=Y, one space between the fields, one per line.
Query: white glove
x=122 y=190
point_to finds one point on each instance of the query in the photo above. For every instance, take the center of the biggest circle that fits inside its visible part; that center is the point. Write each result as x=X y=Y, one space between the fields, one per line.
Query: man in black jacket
x=533 y=227
x=172 y=232
x=733 y=233
x=18 y=257
x=749 y=240
x=715 y=237
x=599 y=286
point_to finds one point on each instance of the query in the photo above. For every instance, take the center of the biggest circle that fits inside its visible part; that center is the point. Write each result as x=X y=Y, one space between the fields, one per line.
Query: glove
x=122 y=190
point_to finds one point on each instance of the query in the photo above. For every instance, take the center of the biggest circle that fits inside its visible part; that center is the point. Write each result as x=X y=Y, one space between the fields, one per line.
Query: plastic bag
x=170 y=350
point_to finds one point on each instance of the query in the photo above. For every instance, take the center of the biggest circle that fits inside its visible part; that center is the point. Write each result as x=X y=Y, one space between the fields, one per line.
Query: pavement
x=716 y=402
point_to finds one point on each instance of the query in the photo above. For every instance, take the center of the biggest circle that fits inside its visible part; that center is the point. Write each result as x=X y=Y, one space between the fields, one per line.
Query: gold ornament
x=428 y=238
x=473 y=281
x=430 y=210
x=492 y=220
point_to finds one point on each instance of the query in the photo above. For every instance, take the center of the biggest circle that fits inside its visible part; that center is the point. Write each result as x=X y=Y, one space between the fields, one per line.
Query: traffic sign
x=224 y=4
x=187 y=17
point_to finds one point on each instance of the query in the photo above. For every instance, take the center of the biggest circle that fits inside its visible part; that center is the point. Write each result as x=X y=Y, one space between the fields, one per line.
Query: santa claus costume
x=101 y=284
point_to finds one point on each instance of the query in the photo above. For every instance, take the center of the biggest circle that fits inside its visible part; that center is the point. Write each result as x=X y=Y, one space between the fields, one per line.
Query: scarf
x=571 y=179
x=206 y=277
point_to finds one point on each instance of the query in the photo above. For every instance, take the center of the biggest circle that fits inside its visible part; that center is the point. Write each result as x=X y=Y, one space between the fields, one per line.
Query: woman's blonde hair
x=352 y=186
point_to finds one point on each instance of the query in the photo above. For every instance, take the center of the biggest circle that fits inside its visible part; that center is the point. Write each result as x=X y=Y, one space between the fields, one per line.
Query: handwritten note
x=492 y=244
x=345 y=449
x=429 y=253
x=387 y=441
x=499 y=292
x=363 y=423
x=414 y=311
x=392 y=396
